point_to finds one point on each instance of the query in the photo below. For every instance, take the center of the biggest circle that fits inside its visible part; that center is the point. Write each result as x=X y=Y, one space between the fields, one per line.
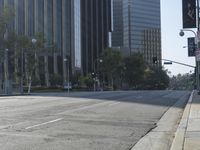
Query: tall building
x=79 y=29
x=137 y=26
x=117 y=35
x=60 y=23
x=96 y=28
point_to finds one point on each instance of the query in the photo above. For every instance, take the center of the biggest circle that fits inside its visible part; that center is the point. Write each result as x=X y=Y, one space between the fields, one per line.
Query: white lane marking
x=37 y=125
x=115 y=104
x=85 y=107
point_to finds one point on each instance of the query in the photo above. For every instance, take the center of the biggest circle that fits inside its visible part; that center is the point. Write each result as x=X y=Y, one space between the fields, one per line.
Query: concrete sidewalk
x=169 y=135
x=187 y=136
x=161 y=137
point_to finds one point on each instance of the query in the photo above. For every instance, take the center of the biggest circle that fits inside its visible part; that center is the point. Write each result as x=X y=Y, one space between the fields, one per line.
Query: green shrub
x=55 y=80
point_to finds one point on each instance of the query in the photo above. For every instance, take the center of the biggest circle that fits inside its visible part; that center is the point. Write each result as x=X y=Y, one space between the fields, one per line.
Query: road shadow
x=162 y=98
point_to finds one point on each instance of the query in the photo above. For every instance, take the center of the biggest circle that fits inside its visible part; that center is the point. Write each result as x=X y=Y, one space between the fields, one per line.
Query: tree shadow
x=160 y=98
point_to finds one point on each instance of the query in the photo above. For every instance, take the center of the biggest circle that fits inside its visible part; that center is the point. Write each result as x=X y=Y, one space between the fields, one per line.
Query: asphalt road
x=86 y=121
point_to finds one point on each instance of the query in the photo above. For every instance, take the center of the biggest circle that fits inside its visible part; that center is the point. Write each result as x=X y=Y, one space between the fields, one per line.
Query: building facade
x=137 y=26
x=117 y=35
x=96 y=27
x=79 y=29
x=60 y=23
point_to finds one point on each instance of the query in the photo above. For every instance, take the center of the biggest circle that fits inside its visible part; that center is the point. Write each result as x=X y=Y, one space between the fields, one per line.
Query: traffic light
x=93 y=75
x=191 y=47
x=189 y=13
x=155 y=60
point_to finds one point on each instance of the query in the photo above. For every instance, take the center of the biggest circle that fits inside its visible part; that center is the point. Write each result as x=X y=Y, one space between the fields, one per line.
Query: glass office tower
x=79 y=29
x=137 y=26
x=60 y=23
x=117 y=35
x=96 y=24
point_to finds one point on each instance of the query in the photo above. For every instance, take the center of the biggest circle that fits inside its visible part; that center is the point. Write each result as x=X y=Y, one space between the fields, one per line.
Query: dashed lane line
x=45 y=123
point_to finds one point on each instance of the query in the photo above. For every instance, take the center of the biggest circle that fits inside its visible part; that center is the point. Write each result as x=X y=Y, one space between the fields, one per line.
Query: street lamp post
x=6 y=71
x=96 y=74
x=196 y=43
x=34 y=41
x=67 y=79
x=22 y=70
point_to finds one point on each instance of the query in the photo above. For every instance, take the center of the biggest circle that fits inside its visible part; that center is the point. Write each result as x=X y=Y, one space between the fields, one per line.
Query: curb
x=161 y=137
x=8 y=95
x=179 y=139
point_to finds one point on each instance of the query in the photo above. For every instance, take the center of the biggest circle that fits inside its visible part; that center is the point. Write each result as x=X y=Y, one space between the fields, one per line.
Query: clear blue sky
x=172 y=43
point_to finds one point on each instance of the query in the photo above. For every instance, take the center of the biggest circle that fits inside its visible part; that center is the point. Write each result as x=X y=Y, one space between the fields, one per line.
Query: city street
x=84 y=120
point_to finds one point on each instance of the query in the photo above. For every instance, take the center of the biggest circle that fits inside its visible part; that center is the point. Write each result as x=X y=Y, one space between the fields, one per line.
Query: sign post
x=198 y=47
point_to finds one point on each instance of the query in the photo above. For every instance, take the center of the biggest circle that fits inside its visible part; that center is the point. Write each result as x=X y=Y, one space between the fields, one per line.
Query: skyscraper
x=117 y=35
x=96 y=27
x=60 y=23
x=79 y=29
x=137 y=27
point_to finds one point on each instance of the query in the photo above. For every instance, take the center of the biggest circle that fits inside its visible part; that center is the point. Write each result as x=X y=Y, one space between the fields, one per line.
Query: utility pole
x=197 y=62
x=198 y=38
x=191 y=20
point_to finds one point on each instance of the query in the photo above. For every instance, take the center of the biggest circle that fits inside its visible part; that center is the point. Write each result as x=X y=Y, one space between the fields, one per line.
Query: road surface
x=86 y=121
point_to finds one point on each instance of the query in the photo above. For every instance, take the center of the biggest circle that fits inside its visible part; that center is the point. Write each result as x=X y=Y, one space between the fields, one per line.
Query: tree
x=6 y=40
x=28 y=52
x=32 y=60
x=88 y=80
x=6 y=36
x=111 y=65
x=134 y=70
x=6 y=17
x=156 y=79
x=56 y=80
x=21 y=49
x=182 y=82
x=23 y=44
x=138 y=75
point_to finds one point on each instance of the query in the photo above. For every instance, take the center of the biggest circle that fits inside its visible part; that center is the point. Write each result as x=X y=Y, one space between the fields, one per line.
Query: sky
x=172 y=43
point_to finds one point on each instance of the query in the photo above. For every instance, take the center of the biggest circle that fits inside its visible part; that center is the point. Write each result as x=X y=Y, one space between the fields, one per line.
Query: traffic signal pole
x=196 y=48
x=196 y=61
x=179 y=63
x=197 y=14
x=190 y=21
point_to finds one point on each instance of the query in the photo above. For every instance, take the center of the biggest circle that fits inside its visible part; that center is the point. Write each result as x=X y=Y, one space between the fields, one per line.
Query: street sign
x=67 y=85
x=191 y=47
x=167 y=63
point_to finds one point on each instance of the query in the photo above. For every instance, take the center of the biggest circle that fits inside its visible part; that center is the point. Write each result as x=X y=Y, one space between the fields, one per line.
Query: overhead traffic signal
x=189 y=13
x=93 y=75
x=191 y=47
x=155 y=60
